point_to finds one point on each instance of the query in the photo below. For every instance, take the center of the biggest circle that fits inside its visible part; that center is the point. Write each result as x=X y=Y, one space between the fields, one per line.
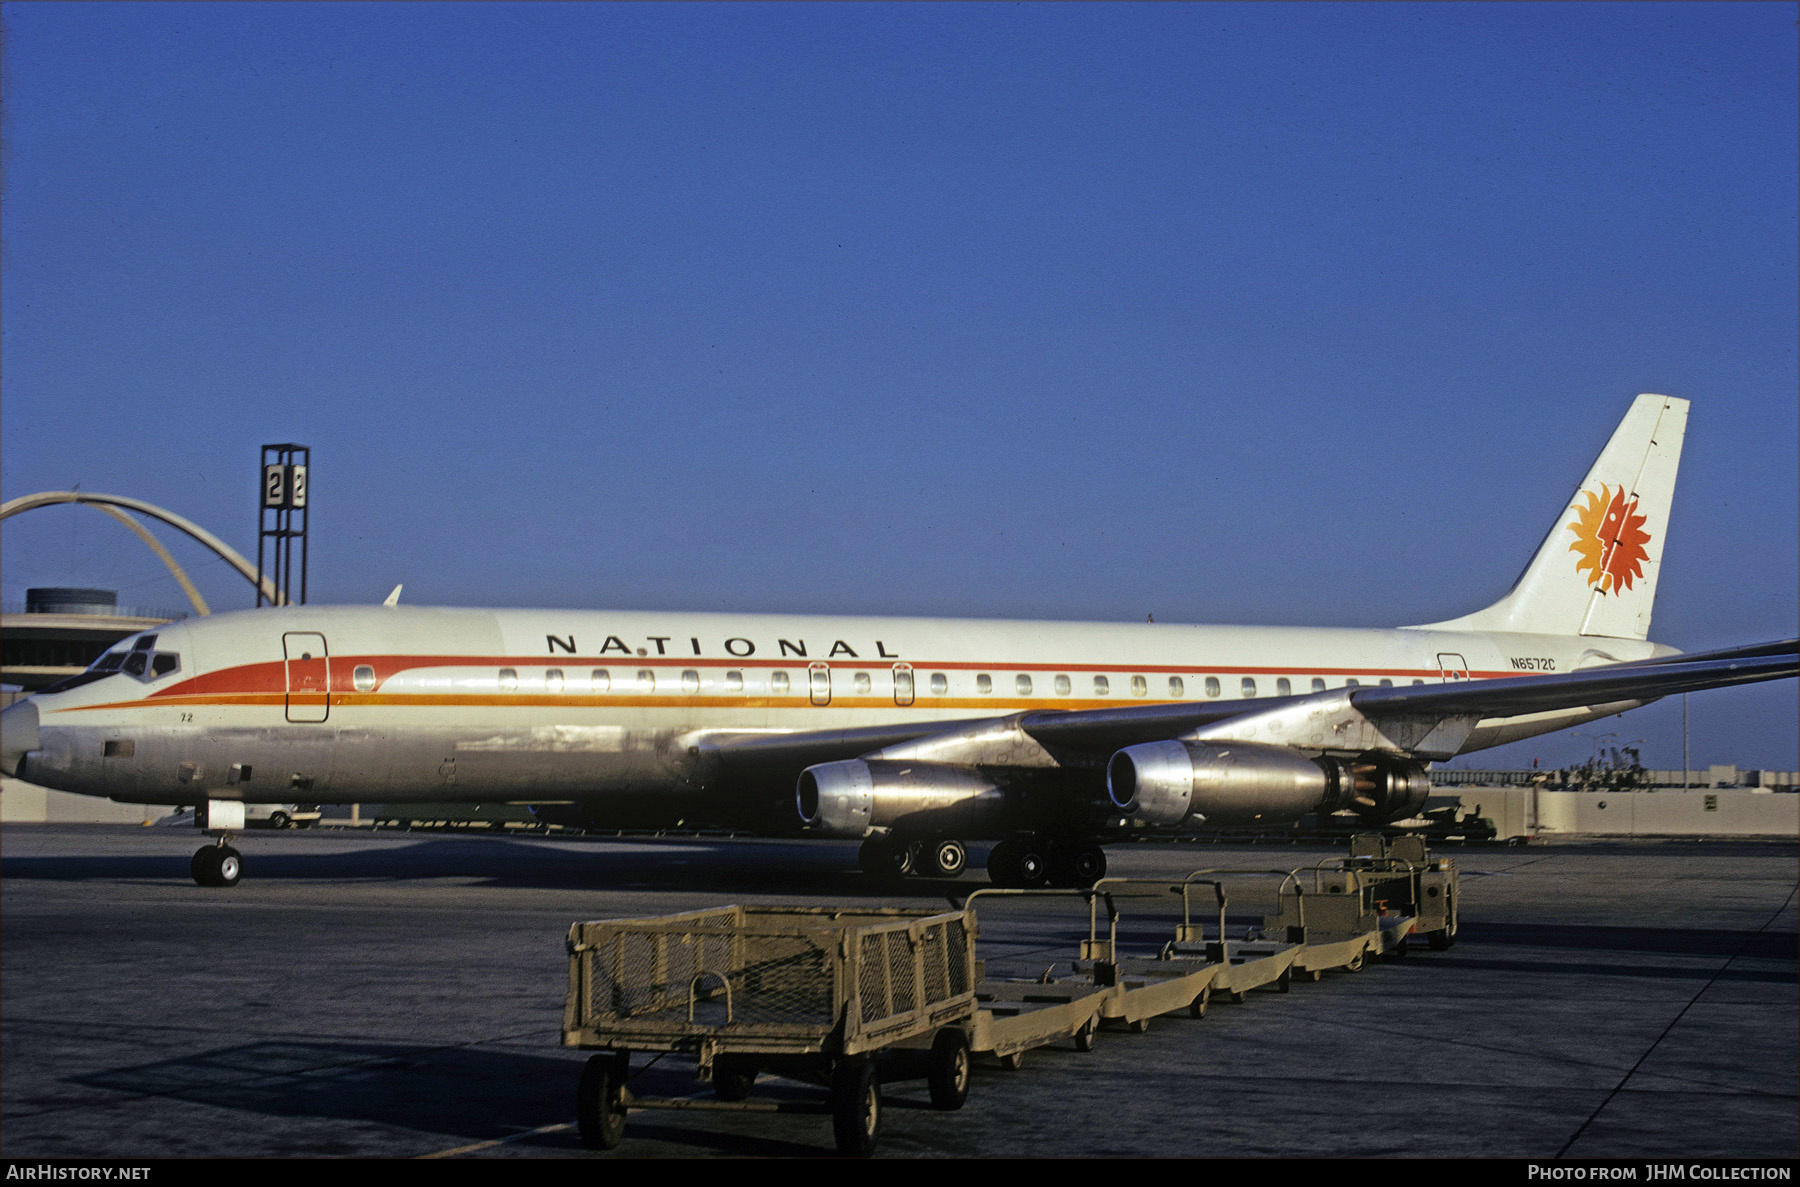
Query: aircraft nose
x=18 y=734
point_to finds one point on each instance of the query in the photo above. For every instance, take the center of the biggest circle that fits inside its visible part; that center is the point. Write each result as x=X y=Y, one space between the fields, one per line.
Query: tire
x=1077 y=864
x=856 y=1107
x=1002 y=864
x=1236 y=996
x=1033 y=864
x=946 y=858
x=1281 y=982
x=202 y=868
x=1315 y=975
x=1356 y=963
x=733 y=1081
x=949 y=1073
x=1440 y=939
x=1084 y=1038
x=228 y=867
x=599 y=1102
x=1197 y=1007
x=280 y=820
x=1139 y=1026
x=1013 y=1062
x=884 y=860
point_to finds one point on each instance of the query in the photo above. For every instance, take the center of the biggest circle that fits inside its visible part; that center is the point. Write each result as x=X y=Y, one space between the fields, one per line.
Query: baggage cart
x=1018 y=1015
x=840 y=997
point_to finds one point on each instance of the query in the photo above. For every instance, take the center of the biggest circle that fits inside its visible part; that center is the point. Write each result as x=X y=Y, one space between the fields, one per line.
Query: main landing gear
x=888 y=859
x=1032 y=862
x=1026 y=862
x=217 y=865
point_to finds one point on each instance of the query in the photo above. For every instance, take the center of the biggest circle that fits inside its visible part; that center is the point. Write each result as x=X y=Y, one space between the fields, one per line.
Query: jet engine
x=1170 y=782
x=855 y=797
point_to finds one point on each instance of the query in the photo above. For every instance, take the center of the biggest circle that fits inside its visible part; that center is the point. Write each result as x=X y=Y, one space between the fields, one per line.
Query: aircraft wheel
x=948 y=1076
x=1002 y=864
x=217 y=865
x=201 y=865
x=280 y=820
x=600 y=1101
x=1077 y=864
x=1084 y=1038
x=856 y=1107
x=1033 y=865
x=885 y=860
x=946 y=858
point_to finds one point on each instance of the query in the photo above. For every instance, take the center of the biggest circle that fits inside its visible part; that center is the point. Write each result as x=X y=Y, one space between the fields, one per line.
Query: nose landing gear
x=217 y=865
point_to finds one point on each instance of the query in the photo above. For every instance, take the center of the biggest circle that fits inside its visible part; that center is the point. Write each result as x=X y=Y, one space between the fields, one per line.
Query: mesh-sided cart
x=844 y=998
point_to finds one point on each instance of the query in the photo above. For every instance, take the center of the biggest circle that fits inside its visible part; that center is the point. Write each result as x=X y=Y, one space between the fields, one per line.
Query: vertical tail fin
x=1595 y=573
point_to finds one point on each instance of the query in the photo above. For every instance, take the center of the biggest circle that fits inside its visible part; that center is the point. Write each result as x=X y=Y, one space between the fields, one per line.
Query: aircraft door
x=818 y=678
x=308 y=676
x=1452 y=666
x=903 y=684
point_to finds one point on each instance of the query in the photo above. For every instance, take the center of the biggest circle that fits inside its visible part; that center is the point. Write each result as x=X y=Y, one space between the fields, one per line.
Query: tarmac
x=390 y=994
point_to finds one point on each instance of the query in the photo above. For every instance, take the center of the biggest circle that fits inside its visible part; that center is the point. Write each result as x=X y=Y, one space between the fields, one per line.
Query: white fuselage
x=395 y=704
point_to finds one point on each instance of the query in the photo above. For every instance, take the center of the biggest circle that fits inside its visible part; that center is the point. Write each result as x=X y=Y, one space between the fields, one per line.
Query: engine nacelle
x=1167 y=783
x=1385 y=787
x=856 y=797
x=1219 y=782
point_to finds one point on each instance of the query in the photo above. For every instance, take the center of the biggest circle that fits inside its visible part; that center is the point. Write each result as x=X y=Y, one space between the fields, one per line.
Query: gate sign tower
x=280 y=521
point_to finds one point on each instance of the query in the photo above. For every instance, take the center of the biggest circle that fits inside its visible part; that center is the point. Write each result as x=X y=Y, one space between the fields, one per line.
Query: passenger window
x=1212 y=686
x=1248 y=686
x=1139 y=686
x=734 y=682
x=778 y=682
x=1318 y=685
x=1353 y=683
x=984 y=684
x=1176 y=687
x=863 y=683
x=1418 y=682
x=1101 y=686
x=509 y=679
x=940 y=684
x=164 y=663
x=1062 y=686
x=1022 y=684
x=1284 y=688
x=602 y=680
x=690 y=681
x=362 y=678
x=553 y=680
x=1387 y=684
x=646 y=679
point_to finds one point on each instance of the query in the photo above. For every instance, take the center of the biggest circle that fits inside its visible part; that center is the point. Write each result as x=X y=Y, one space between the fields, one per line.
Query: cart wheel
x=1441 y=939
x=600 y=1101
x=1356 y=963
x=733 y=1081
x=948 y=1076
x=1138 y=1026
x=1197 y=1007
x=1316 y=975
x=1398 y=951
x=1236 y=996
x=1281 y=982
x=1084 y=1038
x=856 y=1107
x=1013 y=1062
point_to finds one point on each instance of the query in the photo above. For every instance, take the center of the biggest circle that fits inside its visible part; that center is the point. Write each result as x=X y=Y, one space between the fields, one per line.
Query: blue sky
x=1263 y=313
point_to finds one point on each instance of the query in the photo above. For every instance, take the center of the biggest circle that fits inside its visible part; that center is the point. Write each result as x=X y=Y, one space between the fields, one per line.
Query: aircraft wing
x=988 y=740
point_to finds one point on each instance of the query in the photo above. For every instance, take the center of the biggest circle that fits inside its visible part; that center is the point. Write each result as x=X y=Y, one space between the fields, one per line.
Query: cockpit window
x=136 y=663
x=164 y=663
x=112 y=661
x=144 y=643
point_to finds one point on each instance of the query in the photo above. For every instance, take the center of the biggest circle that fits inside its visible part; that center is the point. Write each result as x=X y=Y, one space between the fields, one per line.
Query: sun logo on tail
x=1609 y=539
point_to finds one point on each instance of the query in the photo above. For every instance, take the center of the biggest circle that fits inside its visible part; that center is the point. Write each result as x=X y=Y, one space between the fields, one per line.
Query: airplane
x=912 y=735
